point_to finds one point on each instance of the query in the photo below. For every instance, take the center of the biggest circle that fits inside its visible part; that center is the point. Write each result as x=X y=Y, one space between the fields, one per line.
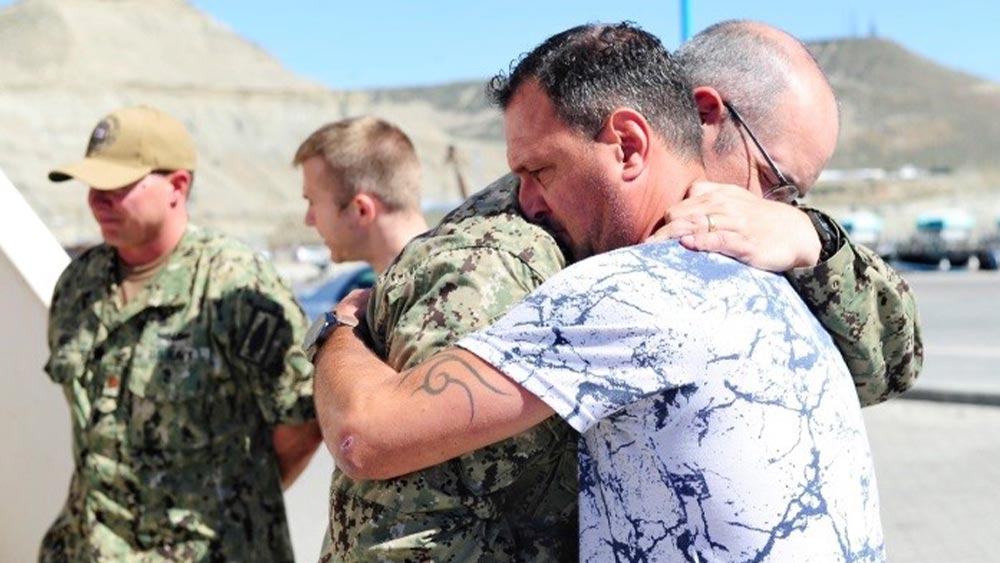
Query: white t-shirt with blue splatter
x=718 y=420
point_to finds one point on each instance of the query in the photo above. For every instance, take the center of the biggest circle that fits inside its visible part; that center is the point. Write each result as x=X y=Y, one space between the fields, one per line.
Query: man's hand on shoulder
x=730 y=220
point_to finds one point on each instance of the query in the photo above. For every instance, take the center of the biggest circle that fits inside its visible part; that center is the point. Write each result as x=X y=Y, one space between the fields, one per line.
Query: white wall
x=307 y=503
x=35 y=430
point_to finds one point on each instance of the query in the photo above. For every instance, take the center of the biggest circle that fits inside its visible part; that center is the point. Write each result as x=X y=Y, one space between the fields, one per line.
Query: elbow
x=357 y=430
x=357 y=451
x=348 y=452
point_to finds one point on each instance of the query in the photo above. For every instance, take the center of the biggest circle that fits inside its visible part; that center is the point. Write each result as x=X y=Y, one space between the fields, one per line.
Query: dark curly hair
x=590 y=70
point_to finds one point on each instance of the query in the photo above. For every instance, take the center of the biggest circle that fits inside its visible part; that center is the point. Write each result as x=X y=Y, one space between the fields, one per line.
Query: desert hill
x=899 y=108
x=66 y=63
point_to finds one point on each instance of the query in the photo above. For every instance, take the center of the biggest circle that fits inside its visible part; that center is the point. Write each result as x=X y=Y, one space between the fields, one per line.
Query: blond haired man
x=361 y=180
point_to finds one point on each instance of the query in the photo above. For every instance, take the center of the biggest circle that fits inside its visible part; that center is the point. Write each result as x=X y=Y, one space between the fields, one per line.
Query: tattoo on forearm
x=452 y=371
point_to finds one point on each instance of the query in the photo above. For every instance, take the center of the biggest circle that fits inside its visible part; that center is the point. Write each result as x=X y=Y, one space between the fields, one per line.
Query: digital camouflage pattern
x=173 y=397
x=513 y=501
x=871 y=314
x=501 y=503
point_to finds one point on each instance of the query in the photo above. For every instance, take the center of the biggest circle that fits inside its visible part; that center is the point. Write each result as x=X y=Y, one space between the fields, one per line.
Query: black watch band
x=829 y=234
x=320 y=331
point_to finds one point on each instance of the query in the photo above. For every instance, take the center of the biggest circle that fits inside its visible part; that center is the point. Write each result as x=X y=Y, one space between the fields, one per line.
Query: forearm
x=871 y=314
x=344 y=376
x=294 y=446
x=379 y=424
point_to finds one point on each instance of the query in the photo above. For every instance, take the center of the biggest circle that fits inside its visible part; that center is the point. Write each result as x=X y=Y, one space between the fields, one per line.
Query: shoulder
x=485 y=244
x=666 y=260
x=87 y=271
x=499 y=197
x=226 y=260
x=491 y=218
x=202 y=242
x=620 y=269
x=90 y=260
x=648 y=278
x=466 y=272
x=488 y=224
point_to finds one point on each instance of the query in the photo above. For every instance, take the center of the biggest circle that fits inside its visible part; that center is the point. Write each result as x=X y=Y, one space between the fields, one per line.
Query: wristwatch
x=321 y=329
x=829 y=235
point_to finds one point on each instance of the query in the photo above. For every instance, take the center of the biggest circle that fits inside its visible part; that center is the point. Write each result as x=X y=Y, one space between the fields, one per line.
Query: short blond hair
x=367 y=155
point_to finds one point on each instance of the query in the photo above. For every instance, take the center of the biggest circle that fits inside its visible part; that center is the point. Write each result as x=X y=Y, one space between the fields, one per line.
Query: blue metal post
x=685 y=20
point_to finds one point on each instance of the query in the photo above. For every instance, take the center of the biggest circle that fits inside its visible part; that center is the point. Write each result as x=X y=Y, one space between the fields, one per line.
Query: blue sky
x=352 y=45
x=379 y=43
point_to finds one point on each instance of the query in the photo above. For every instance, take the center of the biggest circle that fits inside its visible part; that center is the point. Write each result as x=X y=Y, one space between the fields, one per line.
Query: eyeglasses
x=785 y=191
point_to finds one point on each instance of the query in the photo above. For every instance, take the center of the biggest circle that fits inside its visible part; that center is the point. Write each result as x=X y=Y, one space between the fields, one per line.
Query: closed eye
x=536 y=174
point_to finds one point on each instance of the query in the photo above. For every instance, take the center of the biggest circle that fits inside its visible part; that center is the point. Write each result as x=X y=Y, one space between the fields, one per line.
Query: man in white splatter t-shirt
x=718 y=421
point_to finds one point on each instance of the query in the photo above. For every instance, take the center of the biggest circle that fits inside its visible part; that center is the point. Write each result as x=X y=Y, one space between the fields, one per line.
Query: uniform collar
x=171 y=287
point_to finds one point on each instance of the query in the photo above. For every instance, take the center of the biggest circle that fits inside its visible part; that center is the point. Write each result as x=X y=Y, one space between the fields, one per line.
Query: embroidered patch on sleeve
x=259 y=340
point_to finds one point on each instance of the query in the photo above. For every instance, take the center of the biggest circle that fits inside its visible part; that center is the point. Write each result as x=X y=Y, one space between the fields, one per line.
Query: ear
x=366 y=207
x=631 y=135
x=180 y=181
x=711 y=112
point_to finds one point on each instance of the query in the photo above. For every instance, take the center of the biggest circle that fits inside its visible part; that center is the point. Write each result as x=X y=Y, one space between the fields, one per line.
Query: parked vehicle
x=988 y=253
x=865 y=228
x=941 y=238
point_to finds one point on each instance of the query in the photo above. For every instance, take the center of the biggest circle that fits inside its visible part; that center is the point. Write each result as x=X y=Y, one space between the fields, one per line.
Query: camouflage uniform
x=173 y=397
x=513 y=501
x=871 y=314
x=516 y=500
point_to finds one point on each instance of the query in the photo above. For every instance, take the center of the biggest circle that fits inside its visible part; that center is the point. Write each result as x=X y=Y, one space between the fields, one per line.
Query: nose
x=529 y=198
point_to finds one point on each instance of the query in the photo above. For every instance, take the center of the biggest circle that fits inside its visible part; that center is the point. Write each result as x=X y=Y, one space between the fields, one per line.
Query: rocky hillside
x=899 y=108
x=65 y=63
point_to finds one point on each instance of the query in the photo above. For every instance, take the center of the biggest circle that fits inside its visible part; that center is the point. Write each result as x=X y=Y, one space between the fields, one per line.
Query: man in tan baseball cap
x=128 y=144
x=177 y=349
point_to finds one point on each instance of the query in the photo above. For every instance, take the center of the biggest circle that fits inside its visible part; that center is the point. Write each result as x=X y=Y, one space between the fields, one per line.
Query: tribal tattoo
x=452 y=371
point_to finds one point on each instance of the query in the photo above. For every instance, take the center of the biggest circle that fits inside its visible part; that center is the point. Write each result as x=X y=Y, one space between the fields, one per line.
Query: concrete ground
x=938 y=461
x=960 y=316
x=938 y=466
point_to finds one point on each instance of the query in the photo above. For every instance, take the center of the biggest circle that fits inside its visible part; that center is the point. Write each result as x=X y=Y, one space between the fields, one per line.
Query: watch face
x=315 y=330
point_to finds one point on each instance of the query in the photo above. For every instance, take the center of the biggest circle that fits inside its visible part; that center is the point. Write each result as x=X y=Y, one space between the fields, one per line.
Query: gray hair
x=746 y=67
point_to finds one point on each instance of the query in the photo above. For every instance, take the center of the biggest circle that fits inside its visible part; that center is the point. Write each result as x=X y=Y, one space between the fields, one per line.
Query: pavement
x=960 y=320
x=938 y=466
x=937 y=448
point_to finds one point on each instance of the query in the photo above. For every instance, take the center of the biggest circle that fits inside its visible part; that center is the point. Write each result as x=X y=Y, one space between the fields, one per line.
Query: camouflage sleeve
x=871 y=314
x=261 y=327
x=57 y=322
x=55 y=306
x=64 y=320
x=451 y=294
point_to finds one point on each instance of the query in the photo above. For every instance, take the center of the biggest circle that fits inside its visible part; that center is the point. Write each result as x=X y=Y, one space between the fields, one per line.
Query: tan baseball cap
x=128 y=144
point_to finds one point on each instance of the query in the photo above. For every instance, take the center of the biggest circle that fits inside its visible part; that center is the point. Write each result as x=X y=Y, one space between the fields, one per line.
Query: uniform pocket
x=169 y=367
x=168 y=381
